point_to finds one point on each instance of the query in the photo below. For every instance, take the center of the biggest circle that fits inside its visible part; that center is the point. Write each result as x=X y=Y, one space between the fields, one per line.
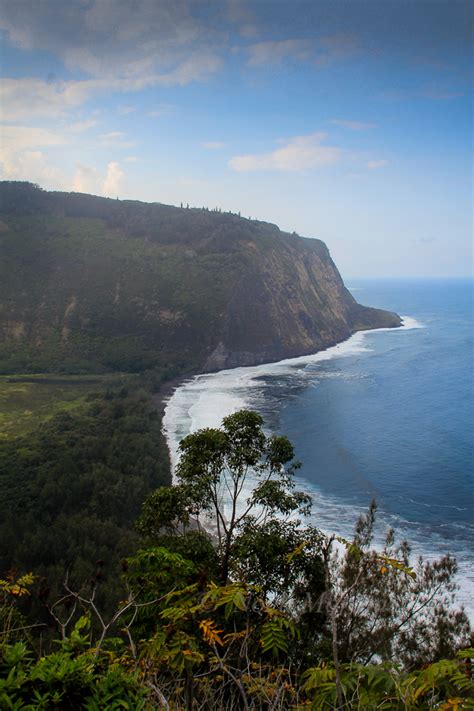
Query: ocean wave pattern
x=204 y=400
x=274 y=388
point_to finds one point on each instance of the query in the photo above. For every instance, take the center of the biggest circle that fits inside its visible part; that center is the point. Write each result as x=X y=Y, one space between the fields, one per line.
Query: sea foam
x=204 y=400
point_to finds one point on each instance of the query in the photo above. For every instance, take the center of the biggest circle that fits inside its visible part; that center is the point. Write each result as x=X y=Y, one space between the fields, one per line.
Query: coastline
x=161 y=397
x=171 y=388
x=167 y=389
x=202 y=399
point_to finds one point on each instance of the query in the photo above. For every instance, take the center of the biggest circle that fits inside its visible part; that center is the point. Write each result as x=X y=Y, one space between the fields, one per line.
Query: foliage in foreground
x=260 y=614
x=193 y=660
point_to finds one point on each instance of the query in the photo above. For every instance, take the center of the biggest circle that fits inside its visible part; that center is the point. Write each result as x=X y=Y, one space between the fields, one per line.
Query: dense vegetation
x=93 y=285
x=71 y=489
x=258 y=613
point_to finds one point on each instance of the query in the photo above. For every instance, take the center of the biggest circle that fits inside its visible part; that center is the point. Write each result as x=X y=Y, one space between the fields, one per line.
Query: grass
x=27 y=400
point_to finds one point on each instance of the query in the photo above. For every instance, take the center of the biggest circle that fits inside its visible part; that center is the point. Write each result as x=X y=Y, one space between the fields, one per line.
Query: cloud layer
x=109 y=38
x=298 y=154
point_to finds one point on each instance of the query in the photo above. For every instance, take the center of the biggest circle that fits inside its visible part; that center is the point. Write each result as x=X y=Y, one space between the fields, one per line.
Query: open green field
x=27 y=400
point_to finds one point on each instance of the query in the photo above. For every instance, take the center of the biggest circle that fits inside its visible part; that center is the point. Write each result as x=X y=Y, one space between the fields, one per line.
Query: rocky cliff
x=92 y=284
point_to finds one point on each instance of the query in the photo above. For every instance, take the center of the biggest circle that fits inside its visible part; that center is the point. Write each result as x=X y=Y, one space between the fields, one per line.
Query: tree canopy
x=234 y=481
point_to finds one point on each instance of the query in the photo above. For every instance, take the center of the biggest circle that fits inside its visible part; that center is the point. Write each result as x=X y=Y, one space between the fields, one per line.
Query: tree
x=235 y=512
x=343 y=612
x=382 y=608
x=236 y=482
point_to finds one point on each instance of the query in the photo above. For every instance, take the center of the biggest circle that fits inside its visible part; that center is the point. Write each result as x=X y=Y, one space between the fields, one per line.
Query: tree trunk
x=189 y=690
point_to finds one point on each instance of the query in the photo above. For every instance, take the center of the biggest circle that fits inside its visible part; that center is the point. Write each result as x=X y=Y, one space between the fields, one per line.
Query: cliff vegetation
x=93 y=285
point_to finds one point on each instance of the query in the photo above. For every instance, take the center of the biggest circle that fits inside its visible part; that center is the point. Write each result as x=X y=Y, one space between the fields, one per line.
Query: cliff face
x=291 y=301
x=91 y=284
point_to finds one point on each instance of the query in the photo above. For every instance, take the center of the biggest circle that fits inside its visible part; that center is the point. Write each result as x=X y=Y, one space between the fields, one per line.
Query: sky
x=346 y=120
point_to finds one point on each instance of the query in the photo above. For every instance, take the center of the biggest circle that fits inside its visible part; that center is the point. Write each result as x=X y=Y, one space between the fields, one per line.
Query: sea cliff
x=89 y=284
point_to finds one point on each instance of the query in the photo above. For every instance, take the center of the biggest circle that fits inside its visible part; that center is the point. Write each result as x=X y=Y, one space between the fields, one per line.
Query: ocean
x=386 y=415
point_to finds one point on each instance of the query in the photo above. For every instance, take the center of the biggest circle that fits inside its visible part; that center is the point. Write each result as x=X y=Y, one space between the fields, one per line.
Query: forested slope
x=89 y=284
x=71 y=490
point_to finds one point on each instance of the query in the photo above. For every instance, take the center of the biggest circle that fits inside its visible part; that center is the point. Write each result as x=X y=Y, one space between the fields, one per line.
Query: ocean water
x=388 y=414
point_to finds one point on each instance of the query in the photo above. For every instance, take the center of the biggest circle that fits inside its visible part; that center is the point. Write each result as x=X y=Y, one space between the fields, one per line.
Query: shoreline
x=166 y=393
x=167 y=389
x=201 y=402
x=161 y=397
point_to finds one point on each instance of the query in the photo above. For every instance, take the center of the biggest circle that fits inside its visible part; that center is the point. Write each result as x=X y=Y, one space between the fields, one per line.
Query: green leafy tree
x=73 y=488
x=445 y=685
x=216 y=470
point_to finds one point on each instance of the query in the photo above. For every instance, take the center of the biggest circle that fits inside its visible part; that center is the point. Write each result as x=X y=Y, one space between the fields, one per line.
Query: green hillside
x=93 y=285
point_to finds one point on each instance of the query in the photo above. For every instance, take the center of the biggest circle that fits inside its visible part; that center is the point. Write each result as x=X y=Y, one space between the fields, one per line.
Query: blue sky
x=347 y=120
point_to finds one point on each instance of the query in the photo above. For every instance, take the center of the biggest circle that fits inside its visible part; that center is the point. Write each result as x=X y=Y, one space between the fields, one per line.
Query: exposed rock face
x=88 y=283
x=291 y=302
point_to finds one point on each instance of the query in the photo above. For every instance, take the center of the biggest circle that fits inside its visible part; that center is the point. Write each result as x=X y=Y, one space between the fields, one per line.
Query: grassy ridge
x=97 y=298
x=99 y=301
x=28 y=400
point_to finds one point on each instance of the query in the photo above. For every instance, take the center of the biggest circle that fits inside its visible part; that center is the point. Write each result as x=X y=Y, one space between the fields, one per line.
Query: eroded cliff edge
x=90 y=284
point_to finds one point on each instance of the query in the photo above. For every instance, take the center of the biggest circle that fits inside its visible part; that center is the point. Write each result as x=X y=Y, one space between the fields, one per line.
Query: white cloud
x=32 y=166
x=110 y=38
x=24 y=99
x=87 y=179
x=374 y=164
x=198 y=67
x=354 y=125
x=299 y=153
x=124 y=110
x=21 y=156
x=113 y=180
x=239 y=11
x=20 y=137
x=81 y=126
x=320 y=52
x=131 y=159
x=162 y=110
x=112 y=136
x=248 y=30
x=213 y=145
x=336 y=48
x=115 y=139
x=275 y=51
